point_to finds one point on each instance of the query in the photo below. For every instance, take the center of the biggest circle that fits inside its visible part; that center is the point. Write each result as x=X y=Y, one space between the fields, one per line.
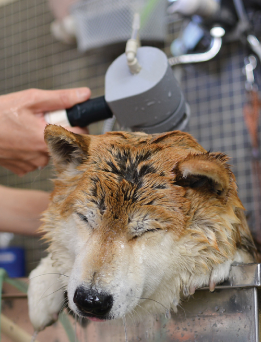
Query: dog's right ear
x=66 y=148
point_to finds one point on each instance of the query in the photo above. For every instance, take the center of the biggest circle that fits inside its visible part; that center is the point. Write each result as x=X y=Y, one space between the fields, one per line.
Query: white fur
x=134 y=275
x=149 y=276
x=45 y=296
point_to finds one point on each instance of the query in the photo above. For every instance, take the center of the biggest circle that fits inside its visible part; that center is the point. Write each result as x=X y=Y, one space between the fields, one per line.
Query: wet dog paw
x=219 y=274
x=45 y=295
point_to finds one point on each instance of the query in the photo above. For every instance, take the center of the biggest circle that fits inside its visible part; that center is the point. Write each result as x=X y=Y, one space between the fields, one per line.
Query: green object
x=63 y=318
x=18 y=284
x=23 y=287
x=148 y=9
x=3 y=275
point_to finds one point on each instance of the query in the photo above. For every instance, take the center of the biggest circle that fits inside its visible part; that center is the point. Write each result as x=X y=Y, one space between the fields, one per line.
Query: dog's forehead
x=125 y=168
x=112 y=203
x=130 y=176
x=124 y=150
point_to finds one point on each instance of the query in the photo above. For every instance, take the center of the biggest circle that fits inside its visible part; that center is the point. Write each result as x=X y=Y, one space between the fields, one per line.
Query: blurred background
x=61 y=44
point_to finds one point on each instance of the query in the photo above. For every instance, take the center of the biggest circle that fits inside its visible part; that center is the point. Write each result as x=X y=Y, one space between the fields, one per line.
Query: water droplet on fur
x=169 y=94
x=150 y=103
x=34 y=336
x=125 y=328
x=167 y=314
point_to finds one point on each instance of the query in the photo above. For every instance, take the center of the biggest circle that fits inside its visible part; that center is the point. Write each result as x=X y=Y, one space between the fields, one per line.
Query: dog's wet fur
x=135 y=223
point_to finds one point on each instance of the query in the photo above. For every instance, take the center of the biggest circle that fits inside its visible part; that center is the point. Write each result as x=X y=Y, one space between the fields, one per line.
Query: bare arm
x=21 y=210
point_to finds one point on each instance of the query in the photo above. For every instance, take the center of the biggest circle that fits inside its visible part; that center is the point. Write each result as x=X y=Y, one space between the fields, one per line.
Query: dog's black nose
x=92 y=303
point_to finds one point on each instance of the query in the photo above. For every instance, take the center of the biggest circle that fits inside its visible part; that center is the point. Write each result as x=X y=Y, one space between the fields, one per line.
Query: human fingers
x=27 y=155
x=23 y=166
x=18 y=167
x=40 y=161
x=49 y=100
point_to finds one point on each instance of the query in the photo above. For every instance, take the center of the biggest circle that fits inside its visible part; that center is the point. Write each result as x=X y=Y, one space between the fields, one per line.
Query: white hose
x=198 y=57
x=132 y=46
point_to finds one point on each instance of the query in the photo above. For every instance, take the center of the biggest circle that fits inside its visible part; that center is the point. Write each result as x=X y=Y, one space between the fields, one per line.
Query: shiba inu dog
x=135 y=223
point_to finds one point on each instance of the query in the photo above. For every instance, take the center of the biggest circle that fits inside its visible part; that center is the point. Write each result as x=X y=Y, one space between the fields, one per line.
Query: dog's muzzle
x=92 y=303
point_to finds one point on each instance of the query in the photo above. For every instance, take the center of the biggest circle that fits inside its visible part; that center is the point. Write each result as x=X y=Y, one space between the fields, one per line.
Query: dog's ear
x=66 y=148
x=205 y=171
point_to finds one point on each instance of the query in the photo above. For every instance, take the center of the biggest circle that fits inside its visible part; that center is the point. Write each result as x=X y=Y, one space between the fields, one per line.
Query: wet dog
x=135 y=223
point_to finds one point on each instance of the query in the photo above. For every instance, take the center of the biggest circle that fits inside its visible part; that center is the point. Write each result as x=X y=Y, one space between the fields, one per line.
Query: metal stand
x=231 y=313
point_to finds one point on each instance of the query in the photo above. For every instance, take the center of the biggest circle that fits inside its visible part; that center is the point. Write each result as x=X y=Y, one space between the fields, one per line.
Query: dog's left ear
x=205 y=171
x=65 y=147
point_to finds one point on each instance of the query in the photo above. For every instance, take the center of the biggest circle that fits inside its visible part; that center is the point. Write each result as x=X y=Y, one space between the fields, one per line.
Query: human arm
x=21 y=210
x=22 y=146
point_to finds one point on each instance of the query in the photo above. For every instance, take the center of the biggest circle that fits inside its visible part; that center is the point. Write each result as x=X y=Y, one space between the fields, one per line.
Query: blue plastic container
x=12 y=259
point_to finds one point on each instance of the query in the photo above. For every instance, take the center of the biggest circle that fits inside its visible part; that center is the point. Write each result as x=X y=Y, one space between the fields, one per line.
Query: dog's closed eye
x=82 y=217
x=140 y=232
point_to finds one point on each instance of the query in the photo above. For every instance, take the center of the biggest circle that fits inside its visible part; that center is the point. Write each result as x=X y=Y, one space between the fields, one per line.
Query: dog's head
x=137 y=220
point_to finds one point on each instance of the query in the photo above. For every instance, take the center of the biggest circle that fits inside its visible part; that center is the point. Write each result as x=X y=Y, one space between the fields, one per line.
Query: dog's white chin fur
x=47 y=286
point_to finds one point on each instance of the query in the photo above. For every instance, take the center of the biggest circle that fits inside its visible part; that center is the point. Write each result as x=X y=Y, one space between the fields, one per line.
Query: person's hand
x=22 y=146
